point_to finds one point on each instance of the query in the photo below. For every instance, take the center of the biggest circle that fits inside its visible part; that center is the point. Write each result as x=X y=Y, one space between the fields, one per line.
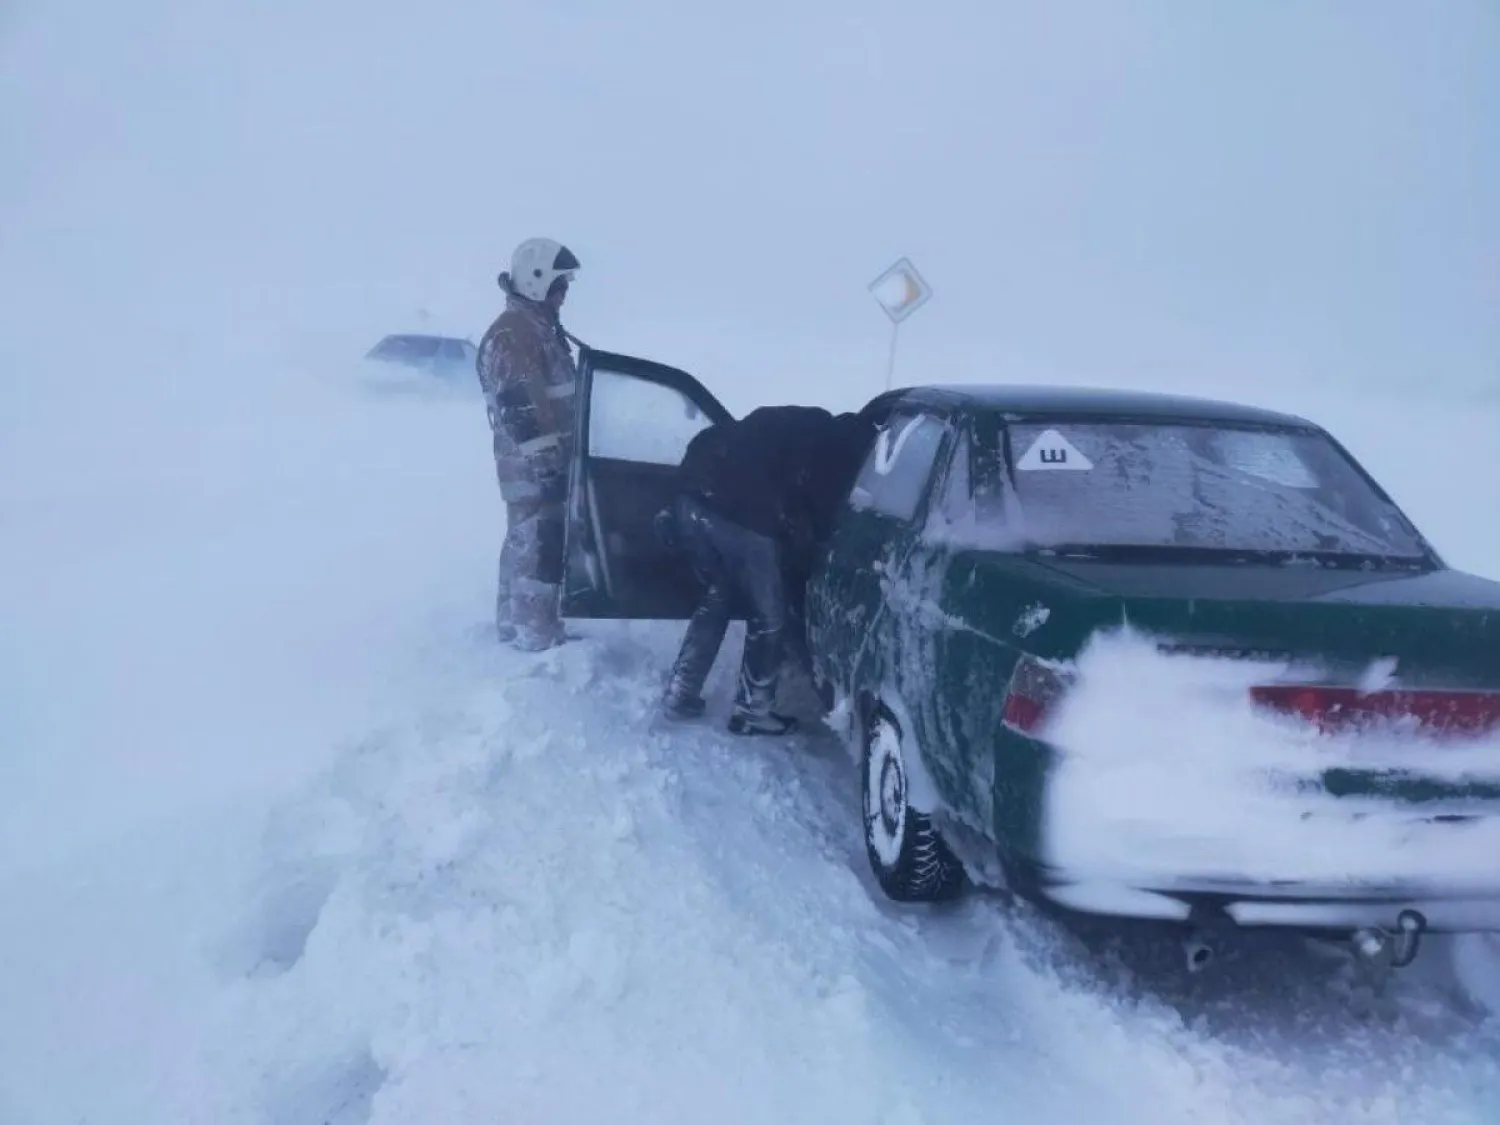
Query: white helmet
x=537 y=263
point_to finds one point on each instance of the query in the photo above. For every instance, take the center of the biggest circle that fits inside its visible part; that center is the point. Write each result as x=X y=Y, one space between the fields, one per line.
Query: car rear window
x=1205 y=487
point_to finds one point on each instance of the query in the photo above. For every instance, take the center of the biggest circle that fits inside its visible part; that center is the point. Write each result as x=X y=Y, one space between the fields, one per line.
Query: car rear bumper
x=1453 y=908
x=1260 y=856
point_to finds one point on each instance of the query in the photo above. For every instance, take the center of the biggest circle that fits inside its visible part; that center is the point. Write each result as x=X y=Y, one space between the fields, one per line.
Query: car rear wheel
x=908 y=856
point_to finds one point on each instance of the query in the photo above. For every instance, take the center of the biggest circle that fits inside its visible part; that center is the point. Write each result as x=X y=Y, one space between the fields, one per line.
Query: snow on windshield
x=1197 y=486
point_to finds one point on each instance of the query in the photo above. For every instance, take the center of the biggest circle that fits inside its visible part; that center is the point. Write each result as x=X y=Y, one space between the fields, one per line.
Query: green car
x=994 y=533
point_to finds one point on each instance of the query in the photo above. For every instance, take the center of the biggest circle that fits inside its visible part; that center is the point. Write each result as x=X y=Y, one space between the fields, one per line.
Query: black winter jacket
x=780 y=471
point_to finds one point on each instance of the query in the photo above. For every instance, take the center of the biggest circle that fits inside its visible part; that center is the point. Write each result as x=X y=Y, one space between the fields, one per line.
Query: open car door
x=635 y=419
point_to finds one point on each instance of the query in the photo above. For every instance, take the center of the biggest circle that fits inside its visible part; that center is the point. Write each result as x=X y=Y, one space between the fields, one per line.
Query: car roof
x=423 y=336
x=1081 y=401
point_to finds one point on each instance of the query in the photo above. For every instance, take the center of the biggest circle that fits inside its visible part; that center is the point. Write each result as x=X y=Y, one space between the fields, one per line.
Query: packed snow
x=286 y=837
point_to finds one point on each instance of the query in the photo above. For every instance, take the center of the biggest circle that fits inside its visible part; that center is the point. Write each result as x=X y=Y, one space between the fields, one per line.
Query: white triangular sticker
x=1053 y=451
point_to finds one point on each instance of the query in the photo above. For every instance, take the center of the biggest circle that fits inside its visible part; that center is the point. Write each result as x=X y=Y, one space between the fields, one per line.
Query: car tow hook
x=1379 y=950
x=1199 y=951
x=1407 y=940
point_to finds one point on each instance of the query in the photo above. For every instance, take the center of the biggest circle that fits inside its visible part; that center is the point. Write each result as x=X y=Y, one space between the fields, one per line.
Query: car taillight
x=1034 y=688
x=1335 y=708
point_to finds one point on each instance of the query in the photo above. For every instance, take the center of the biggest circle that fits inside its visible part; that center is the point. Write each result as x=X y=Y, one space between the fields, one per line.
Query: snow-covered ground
x=284 y=837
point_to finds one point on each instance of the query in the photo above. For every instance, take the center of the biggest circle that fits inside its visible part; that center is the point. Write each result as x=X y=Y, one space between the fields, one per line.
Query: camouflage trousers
x=529 y=578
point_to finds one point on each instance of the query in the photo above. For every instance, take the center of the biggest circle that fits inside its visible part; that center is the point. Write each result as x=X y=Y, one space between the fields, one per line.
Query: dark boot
x=768 y=724
x=683 y=710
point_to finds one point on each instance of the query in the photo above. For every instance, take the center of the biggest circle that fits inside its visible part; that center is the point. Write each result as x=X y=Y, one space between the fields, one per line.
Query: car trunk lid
x=1441 y=628
x=1362 y=648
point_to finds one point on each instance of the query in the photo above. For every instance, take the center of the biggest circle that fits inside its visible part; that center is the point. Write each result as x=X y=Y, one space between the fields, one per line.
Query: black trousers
x=741 y=570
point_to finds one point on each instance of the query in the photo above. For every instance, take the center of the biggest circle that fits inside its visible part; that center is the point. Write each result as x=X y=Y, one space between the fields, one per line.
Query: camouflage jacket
x=524 y=355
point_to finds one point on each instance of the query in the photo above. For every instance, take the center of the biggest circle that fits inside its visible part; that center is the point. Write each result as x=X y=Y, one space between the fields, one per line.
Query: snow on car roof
x=419 y=337
x=1090 y=401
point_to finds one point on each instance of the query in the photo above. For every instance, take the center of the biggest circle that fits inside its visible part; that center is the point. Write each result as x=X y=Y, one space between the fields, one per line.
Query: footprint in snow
x=341 y=1092
x=273 y=937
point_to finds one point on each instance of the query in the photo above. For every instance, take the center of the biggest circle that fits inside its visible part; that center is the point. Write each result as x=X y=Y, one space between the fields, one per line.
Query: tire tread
x=926 y=870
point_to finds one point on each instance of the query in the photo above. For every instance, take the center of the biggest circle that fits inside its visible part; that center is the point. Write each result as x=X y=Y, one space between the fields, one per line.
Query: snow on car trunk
x=1169 y=769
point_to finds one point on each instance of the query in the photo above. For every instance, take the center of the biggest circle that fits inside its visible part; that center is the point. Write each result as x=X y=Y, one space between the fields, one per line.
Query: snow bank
x=202 y=596
x=523 y=899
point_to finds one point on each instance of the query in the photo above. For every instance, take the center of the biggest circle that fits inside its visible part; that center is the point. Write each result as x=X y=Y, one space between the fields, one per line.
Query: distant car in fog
x=448 y=358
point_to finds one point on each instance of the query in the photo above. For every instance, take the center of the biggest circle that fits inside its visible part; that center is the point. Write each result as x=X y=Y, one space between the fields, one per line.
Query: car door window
x=899 y=464
x=632 y=419
x=953 y=505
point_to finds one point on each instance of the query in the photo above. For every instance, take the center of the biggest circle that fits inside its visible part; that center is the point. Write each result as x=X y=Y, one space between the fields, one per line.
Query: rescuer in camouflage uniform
x=528 y=376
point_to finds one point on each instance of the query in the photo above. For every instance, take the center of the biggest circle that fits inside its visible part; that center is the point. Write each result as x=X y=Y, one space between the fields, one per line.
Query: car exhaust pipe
x=1199 y=952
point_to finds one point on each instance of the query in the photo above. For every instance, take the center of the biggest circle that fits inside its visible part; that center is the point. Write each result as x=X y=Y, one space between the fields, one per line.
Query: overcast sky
x=1151 y=191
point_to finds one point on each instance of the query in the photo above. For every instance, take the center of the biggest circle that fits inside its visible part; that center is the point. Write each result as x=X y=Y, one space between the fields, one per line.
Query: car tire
x=906 y=852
